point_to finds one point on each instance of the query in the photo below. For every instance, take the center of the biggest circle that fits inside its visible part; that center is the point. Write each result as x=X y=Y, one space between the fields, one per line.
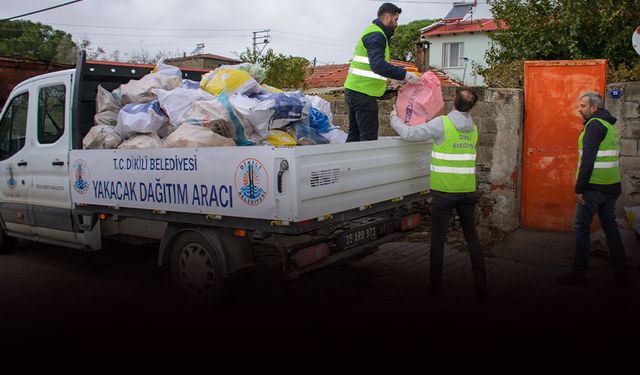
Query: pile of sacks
x=228 y=107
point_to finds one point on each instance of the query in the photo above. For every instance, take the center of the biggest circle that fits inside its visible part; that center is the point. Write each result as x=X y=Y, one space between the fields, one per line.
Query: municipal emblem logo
x=251 y=182
x=11 y=181
x=80 y=183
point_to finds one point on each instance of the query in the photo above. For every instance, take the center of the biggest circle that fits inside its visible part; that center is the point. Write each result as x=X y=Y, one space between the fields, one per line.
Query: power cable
x=42 y=10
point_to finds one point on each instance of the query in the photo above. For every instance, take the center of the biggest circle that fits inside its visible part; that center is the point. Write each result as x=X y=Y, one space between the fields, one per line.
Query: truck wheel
x=6 y=243
x=196 y=268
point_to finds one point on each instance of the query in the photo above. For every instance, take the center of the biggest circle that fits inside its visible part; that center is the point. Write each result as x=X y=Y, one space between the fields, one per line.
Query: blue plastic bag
x=319 y=121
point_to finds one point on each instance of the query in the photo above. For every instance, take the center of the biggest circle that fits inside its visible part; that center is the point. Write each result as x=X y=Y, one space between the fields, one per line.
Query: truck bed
x=252 y=182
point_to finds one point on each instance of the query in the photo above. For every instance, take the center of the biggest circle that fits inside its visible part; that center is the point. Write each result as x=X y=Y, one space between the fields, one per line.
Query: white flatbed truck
x=210 y=208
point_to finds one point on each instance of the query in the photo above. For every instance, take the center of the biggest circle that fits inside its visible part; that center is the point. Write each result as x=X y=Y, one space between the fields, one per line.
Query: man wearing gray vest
x=368 y=73
x=597 y=189
x=452 y=183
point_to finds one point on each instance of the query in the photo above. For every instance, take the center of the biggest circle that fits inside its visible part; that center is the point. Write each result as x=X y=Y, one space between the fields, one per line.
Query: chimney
x=422 y=55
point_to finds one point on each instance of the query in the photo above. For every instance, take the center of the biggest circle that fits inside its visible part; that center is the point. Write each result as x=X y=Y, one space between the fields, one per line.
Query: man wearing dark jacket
x=368 y=73
x=597 y=189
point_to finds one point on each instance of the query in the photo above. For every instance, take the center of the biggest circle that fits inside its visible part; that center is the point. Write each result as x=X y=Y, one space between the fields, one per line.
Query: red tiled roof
x=479 y=25
x=335 y=75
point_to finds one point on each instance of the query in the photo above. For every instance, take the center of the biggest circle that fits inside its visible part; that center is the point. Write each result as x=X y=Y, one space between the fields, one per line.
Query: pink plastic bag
x=418 y=103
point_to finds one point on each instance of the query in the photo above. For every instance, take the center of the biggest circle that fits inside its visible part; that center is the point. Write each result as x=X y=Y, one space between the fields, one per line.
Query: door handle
x=57 y=162
x=22 y=163
x=284 y=165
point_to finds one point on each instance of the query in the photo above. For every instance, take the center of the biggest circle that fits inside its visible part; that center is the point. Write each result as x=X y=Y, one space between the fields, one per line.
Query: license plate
x=359 y=236
x=355 y=238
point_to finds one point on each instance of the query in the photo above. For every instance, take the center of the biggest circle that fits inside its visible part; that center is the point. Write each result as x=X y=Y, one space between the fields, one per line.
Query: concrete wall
x=627 y=110
x=475 y=46
x=499 y=116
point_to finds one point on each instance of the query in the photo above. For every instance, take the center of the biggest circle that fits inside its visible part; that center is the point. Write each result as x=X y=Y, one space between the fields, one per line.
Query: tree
x=92 y=54
x=282 y=71
x=561 y=30
x=36 y=41
x=403 y=42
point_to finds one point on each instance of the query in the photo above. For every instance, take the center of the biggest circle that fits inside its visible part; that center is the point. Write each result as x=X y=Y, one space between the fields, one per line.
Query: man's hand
x=395 y=120
x=580 y=199
x=411 y=77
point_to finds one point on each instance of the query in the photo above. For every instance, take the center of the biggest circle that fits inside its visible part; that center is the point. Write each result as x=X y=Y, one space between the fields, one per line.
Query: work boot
x=621 y=280
x=573 y=279
x=435 y=288
x=481 y=284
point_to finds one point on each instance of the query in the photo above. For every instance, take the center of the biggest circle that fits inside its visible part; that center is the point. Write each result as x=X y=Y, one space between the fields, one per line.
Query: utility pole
x=260 y=37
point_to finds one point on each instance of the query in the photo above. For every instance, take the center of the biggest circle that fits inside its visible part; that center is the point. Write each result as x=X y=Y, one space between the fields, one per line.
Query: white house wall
x=475 y=46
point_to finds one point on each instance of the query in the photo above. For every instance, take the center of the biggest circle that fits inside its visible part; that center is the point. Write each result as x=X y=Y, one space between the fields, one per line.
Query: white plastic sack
x=196 y=136
x=176 y=103
x=335 y=136
x=107 y=108
x=140 y=141
x=271 y=111
x=166 y=69
x=321 y=105
x=140 y=118
x=190 y=84
x=101 y=136
x=213 y=115
x=165 y=77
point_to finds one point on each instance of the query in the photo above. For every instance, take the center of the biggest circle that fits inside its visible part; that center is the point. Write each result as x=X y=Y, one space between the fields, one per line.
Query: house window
x=452 y=54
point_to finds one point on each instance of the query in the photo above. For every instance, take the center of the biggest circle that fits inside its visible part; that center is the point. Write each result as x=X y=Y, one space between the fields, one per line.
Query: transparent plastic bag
x=196 y=136
x=107 y=108
x=142 y=141
x=213 y=115
x=101 y=137
x=305 y=135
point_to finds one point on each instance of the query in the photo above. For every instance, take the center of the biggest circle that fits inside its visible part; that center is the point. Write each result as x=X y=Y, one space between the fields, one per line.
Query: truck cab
x=35 y=139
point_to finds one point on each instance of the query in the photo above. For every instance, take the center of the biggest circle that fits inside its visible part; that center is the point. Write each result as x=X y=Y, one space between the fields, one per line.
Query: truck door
x=49 y=196
x=15 y=176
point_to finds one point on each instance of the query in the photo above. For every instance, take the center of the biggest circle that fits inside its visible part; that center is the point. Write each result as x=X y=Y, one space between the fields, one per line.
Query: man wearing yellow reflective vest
x=597 y=189
x=452 y=183
x=368 y=73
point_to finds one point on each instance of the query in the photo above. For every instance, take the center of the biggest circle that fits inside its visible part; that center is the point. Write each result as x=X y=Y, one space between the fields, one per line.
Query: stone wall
x=627 y=110
x=499 y=118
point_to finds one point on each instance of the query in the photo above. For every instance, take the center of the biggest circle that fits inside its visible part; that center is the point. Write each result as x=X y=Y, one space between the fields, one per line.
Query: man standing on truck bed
x=453 y=183
x=368 y=73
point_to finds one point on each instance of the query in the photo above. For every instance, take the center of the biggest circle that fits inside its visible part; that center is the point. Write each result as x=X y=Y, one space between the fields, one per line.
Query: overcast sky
x=322 y=29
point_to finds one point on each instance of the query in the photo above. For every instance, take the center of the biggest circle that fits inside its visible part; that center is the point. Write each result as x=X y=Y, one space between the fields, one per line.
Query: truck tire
x=7 y=243
x=197 y=268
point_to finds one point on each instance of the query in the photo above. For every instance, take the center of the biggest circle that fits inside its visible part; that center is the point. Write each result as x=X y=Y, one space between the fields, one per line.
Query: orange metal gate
x=552 y=125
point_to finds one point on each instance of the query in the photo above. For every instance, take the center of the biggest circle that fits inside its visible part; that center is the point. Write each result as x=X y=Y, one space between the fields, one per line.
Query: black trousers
x=442 y=206
x=363 y=116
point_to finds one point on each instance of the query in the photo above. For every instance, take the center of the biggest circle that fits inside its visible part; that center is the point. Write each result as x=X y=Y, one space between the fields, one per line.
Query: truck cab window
x=13 y=126
x=51 y=106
